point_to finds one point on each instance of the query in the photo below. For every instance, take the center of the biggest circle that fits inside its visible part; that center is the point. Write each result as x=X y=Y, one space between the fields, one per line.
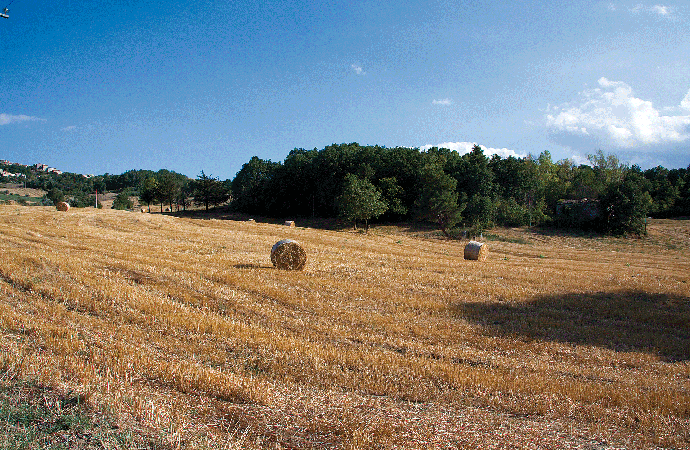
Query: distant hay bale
x=288 y=255
x=476 y=251
x=290 y=223
x=62 y=206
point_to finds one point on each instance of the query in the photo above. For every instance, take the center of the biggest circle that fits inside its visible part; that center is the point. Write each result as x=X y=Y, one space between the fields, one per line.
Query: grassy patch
x=34 y=416
x=511 y=240
x=6 y=197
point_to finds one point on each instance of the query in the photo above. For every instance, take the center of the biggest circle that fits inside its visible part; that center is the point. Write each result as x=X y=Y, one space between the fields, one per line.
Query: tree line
x=363 y=183
x=164 y=188
x=469 y=191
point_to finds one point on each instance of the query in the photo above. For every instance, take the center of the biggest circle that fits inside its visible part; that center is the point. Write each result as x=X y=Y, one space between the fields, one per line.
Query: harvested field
x=183 y=329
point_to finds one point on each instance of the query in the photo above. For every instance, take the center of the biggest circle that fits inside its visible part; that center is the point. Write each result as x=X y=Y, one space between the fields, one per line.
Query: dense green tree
x=122 y=201
x=682 y=182
x=184 y=197
x=664 y=193
x=55 y=195
x=480 y=211
x=148 y=190
x=209 y=191
x=473 y=174
x=294 y=187
x=609 y=168
x=626 y=203
x=167 y=187
x=586 y=184
x=392 y=194
x=438 y=199
x=360 y=200
x=251 y=186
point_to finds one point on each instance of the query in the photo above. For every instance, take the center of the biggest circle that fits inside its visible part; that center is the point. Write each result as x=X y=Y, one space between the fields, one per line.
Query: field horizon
x=182 y=330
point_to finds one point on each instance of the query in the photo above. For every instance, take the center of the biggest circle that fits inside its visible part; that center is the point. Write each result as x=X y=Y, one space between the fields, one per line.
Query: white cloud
x=466 y=147
x=69 y=128
x=358 y=69
x=579 y=160
x=6 y=119
x=685 y=103
x=444 y=102
x=613 y=114
x=661 y=10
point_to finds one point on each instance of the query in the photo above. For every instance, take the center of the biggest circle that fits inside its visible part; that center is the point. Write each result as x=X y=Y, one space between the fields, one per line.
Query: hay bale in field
x=288 y=255
x=476 y=251
x=62 y=206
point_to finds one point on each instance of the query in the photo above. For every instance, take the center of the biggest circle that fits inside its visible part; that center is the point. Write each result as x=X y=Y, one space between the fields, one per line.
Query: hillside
x=181 y=329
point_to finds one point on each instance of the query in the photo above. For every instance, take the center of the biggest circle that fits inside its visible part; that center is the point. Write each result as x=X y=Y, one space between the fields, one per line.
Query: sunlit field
x=182 y=330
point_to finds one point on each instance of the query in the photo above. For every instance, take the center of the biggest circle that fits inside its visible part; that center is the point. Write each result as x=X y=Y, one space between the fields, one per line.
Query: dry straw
x=289 y=255
x=62 y=206
x=476 y=251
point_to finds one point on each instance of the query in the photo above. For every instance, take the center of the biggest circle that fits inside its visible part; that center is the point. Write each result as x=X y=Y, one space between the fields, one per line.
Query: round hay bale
x=62 y=206
x=288 y=255
x=290 y=223
x=476 y=251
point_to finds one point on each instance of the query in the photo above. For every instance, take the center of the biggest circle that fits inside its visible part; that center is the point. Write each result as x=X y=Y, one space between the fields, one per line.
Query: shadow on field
x=621 y=321
x=252 y=266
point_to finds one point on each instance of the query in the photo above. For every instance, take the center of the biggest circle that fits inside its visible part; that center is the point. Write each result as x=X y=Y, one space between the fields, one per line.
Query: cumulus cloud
x=612 y=114
x=466 y=147
x=358 y=69
x=6 y=119
x=444 y=102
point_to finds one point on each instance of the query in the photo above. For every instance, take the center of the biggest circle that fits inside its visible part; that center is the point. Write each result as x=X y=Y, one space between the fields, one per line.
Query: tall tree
x=438 y=199
x=392 y=193
x=250 y=187
x=360 y=200
x=626 y=204
x=608 y=168
x=664 y=193
x=147 y=191
x=209 y=191
x=168 y=187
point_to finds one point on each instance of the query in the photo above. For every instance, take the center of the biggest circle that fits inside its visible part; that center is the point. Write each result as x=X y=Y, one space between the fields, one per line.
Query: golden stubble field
x=183 y=330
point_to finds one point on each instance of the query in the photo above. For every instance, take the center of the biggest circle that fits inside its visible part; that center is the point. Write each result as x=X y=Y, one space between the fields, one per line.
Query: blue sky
x=108 y=86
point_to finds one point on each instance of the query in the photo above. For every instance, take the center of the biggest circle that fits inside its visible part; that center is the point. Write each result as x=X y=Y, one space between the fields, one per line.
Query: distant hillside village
x=37 y=167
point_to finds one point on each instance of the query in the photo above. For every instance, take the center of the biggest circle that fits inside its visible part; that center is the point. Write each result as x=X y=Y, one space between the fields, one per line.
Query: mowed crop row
x=183 y=328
